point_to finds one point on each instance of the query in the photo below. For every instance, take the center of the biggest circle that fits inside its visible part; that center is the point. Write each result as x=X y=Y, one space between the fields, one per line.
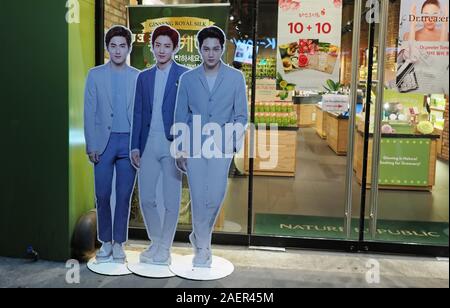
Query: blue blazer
x=143 y=104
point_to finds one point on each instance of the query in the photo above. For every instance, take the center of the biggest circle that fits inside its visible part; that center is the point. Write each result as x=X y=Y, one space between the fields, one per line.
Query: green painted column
x=45 y=183
x=81 y=59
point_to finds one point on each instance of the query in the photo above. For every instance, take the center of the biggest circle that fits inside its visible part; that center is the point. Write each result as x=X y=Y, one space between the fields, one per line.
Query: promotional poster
x=187 y=20
x=309 y=39
x=423 y=53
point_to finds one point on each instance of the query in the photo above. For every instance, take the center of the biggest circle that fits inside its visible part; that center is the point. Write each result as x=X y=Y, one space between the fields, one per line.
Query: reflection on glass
x=233 y=217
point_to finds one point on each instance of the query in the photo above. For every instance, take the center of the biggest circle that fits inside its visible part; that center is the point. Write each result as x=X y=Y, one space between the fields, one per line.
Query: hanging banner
x=309 y=39
x=423 y=53
x=187 y=19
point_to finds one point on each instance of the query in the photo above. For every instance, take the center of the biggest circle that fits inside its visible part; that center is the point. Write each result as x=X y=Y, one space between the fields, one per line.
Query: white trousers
x=208 y=180
x=157 y=164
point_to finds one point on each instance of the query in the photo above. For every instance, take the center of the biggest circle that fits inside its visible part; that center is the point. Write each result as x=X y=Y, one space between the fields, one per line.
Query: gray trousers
x=208 y=180
x=157 y=165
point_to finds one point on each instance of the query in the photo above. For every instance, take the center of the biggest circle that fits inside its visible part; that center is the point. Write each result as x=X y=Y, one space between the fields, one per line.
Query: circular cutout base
x=111 y=268
x=220 y=268
x=153 y=271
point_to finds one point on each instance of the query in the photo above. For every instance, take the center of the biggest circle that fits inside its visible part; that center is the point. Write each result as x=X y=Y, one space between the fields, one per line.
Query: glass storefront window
x=303 y=69
x=413 y=202
x=305 y=194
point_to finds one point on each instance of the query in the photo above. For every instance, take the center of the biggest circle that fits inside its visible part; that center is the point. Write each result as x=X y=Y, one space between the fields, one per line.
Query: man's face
x=118 y=50
x=211 y=51
x=163 y=49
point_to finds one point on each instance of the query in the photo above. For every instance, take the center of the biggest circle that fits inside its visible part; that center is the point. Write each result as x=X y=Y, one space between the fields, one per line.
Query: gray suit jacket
x=98 y=105
x=225 y=104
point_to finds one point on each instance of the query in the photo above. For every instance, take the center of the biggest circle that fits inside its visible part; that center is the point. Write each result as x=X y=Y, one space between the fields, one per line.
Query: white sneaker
x=104 y=254
x=202 y=258
x=147 y=255
x=118 y=254
x=162 y=257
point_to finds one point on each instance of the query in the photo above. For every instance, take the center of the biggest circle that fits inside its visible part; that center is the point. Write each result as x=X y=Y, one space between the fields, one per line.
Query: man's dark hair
x=118 y=31
x=433 y=2
x=166 y=31
x=211 y=32
x=237 y=65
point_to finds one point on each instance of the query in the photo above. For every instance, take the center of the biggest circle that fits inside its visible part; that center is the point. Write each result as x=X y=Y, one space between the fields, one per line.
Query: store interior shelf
x=442 y=109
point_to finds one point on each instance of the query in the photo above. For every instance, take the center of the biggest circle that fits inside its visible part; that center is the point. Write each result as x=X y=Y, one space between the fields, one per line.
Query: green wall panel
x=81 y=59
x=38 y=96
x=34 y=175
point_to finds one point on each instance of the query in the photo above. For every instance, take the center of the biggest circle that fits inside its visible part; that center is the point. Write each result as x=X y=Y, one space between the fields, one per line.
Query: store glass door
x=304 y=180
x=409 y=130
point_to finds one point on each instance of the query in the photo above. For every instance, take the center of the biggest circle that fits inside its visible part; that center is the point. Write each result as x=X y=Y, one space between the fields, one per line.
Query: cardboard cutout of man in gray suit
x=214 y=95
x=108 y=108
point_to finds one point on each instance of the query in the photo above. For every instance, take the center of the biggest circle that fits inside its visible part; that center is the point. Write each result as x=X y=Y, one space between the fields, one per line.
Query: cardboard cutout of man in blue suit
x=108 y=106
x=154 y=108
x=214 y=94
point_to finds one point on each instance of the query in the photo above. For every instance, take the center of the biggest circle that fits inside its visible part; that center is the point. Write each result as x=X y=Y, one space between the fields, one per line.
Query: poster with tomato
x=309 y=38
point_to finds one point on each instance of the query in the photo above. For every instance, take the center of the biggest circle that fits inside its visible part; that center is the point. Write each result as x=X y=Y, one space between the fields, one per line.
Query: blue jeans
x=116 y=156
